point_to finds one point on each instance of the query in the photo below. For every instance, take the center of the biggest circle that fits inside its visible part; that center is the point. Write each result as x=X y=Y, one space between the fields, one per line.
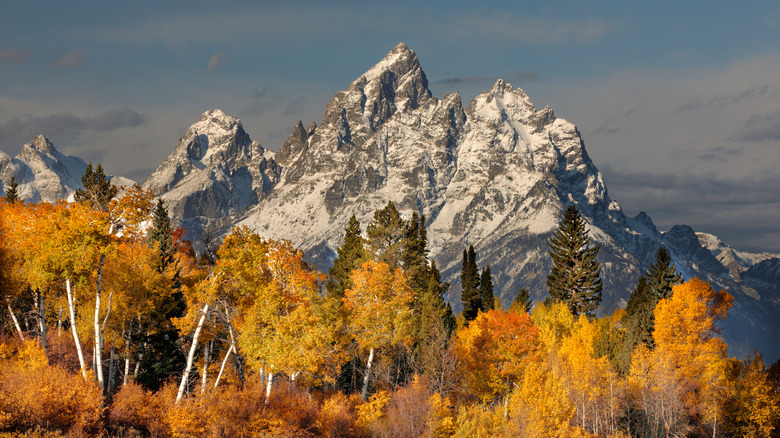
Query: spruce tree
x=523 y=301
x=350 y=256
x=469 y=281
x=575 y=274
x=161 y=234
x=11 y=193
x=663 y=275
x=98 y=190
x=486 y=290
x=415 y=252
x=385 y=236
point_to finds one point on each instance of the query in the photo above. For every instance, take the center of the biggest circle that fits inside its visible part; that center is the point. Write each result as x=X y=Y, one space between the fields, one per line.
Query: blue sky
x=678 y=102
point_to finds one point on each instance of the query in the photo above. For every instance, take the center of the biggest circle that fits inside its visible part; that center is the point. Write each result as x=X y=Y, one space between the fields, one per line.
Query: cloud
x=742 y=212
x=70 y=60
x=517 y=76
x=13 y=56
x=216 y=60
x=723 y=100
x=260 y=102
x=66 y=127
x=761 y=127
x=511 y=28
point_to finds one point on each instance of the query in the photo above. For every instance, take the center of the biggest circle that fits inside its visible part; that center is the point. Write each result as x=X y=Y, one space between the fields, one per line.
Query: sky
x=678 y=102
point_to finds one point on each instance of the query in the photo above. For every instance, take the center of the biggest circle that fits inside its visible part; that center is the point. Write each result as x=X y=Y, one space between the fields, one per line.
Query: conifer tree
x=98 y=190
x=351 y=255
x=469 y=281
x=11 y=194
x=415 y=252
x=162 y=234
x=663 y=275
x=575 y=274
x=385 y=236
x=523 y=300
x=486 y=290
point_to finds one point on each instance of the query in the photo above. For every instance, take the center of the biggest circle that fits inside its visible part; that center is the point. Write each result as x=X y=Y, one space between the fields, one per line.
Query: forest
x=113 y=326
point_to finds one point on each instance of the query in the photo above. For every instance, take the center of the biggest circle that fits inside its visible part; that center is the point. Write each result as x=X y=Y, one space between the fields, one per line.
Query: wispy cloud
x=65 y=126
x=70 y=60
x=13 y=56
x=761 y=127
x=515 y=28
x=216 y=60
x=723 y=100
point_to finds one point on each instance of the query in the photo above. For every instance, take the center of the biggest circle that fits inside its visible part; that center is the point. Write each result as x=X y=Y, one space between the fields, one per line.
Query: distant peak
x=217 y=115
x=42 y=144
x=400 y=61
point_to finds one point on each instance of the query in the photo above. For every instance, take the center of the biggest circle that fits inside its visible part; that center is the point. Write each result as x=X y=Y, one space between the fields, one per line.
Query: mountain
x=496 y=174
x=44 y=173
x=215 y=171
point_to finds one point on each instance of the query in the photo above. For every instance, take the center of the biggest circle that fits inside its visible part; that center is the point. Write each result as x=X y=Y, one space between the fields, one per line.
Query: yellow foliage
x=371 y=412
x=753 y=407
x=480 y=422
x=540 y=406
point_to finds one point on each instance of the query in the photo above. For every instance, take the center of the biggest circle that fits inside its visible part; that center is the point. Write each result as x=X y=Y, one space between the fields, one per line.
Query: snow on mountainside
x=496 y=175
x=42 y=172
x=214 y=171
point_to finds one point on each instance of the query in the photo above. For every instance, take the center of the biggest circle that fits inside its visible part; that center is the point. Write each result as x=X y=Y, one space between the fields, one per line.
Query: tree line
x=113 y=324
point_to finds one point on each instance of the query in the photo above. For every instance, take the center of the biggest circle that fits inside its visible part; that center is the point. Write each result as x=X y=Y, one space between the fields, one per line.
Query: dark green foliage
x=11 y=194
x=161 y=234
x=98 y=190
x=415 y=252
x=386 y=235
x=486 y=290
x=351 y=255
x=575 y=274
x=663 y=275
x=638 y=322
x=523 y=300
x=469 y=281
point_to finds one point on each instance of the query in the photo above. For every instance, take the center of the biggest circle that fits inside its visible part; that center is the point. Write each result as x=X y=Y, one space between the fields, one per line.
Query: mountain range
x=496 y=174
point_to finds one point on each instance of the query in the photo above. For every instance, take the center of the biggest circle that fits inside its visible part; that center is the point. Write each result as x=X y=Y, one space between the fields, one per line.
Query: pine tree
x=469 y=281
x=523 y=301
x=161 y=234
x=415 y=252
x=486 y=290
x=663 y=275
x=98 y=190
x=385 y=236
x=11 y=194
x=575 y=274
x=350 y=256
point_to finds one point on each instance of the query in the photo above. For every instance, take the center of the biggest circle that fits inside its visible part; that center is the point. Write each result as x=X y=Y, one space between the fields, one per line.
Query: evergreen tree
x=98 y=190
x=415 y=252
x=385 y=236
x=469 y=280
x=486 y=290
x=523 y=301
x=161 y=234
x=350 y=256
x=575 y=274
x=639 y=320
x=663 y=275
x=11 y=194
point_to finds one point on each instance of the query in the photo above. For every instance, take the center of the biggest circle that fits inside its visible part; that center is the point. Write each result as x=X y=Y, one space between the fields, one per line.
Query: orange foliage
x=36 y=395
x=493 y=351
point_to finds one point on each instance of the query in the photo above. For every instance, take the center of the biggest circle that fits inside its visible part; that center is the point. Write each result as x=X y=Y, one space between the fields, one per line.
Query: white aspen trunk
x=268 y=386
x=111 y=376
x=59 y=322
x=191 y=356
x=292 y=381
x=42 y=317
x=205 y=375
x=127 y=371
x=222 y=368
x=98 y=335
x=13 y=318
x=72 y=308
x=364 y=393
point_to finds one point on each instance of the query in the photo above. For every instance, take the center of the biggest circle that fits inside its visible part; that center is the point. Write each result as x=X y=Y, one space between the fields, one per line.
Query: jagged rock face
x=497 y=176
x=215 y=171
x=42 y=172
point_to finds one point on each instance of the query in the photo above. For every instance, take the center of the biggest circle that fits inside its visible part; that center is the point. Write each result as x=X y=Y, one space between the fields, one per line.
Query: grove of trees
x=113 y=326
